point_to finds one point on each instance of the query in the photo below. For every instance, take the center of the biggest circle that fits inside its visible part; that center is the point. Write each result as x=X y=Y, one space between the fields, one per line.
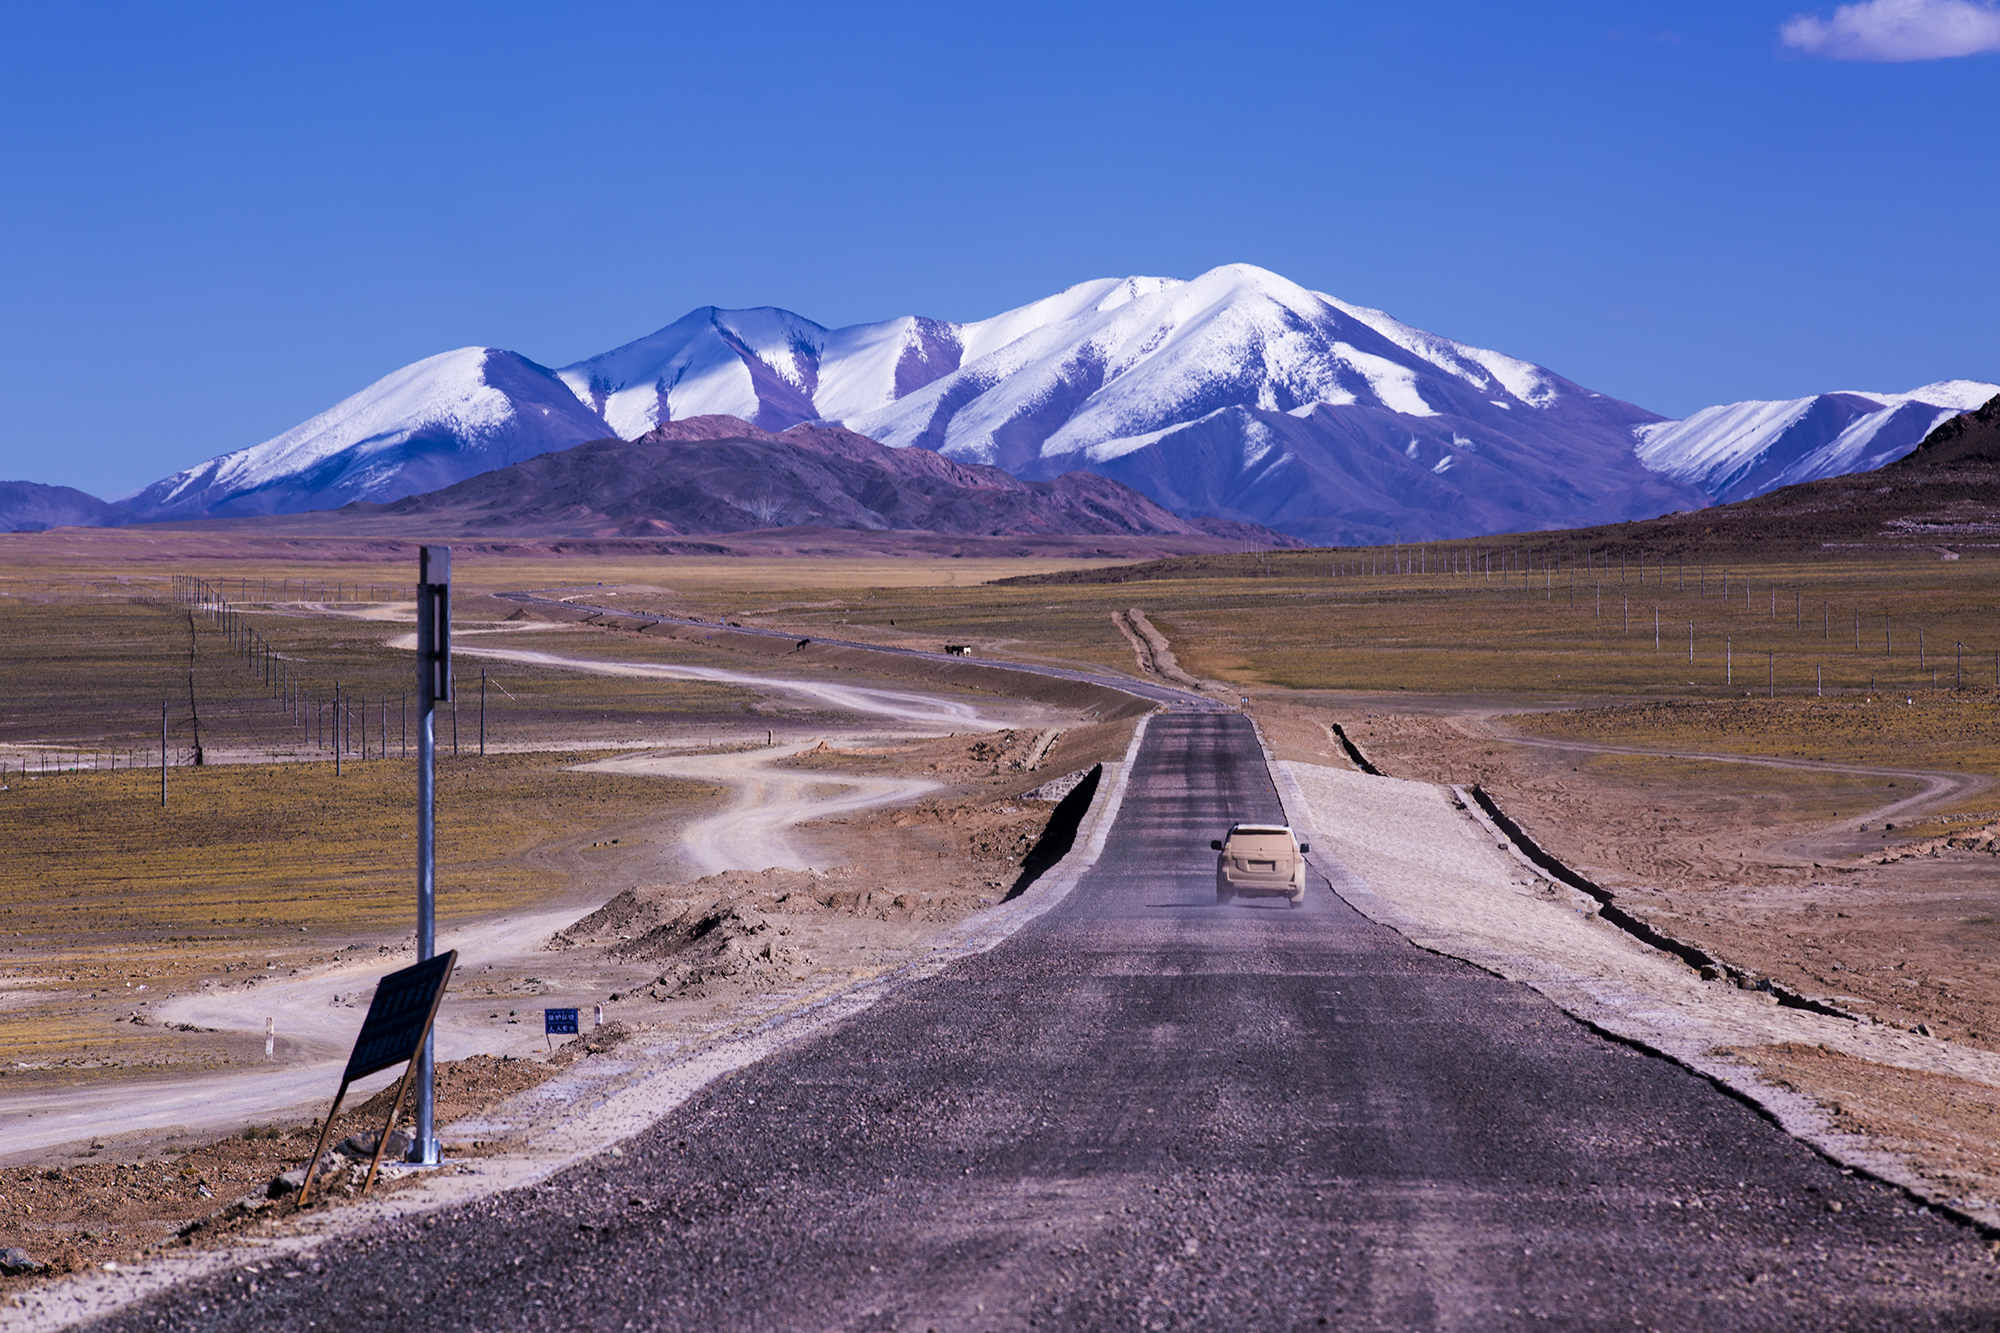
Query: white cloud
x=1897 y=30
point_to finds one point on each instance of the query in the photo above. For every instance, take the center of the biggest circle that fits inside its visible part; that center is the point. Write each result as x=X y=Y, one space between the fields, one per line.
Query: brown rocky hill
x=718 y=475
x=1968 y=441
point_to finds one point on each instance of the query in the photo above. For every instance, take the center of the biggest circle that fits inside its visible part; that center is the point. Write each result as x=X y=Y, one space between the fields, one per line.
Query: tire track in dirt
x=1938 y=787
x=1155 y=655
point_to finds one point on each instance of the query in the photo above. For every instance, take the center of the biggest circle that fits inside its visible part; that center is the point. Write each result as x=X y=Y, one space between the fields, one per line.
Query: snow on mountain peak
x=1236 y=394
x=1113 y=361
x=1734 y=451
x=448 y=416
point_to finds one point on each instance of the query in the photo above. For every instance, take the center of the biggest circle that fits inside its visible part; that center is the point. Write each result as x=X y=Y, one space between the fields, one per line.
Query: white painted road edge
x=589 y=1110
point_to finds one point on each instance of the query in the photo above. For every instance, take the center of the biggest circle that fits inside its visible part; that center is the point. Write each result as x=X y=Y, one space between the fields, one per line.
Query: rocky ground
x=89 y=1208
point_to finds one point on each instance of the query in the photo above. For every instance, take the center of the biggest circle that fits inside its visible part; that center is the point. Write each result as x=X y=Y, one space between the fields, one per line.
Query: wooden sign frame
x=389 y=1036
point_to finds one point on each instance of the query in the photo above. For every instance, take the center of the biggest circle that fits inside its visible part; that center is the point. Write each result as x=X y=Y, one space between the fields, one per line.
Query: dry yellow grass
x=104 y=891
x=75 y=564
x=1946 y=730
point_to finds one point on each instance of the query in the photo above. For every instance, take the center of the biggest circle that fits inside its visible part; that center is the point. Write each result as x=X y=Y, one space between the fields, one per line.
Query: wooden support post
x=319 y=1150
x=395 y=1108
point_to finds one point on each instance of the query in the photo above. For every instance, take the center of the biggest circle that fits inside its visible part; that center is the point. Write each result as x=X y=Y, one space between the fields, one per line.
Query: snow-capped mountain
x=1738 y=450
x=441 y=420
x=1238 y=394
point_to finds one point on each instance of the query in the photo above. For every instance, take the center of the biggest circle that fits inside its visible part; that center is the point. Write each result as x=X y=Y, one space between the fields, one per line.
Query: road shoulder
x=1409 y=856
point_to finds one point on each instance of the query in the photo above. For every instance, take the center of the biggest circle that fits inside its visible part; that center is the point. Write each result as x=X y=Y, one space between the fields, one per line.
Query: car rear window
x=1263 y=843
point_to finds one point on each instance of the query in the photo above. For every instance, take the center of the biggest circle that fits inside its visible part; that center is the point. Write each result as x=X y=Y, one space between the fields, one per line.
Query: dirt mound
x=656 y=921
x=709 y=928
x=1972 y=840
x=741 y=924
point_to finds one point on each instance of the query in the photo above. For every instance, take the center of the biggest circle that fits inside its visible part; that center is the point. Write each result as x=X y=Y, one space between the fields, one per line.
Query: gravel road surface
x=1148 y=1111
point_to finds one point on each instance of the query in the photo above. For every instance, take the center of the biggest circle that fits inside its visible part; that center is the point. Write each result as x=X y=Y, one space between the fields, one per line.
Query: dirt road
x=906 y=706
x=318 y=1014
x=758 y=828
x=1830 y=841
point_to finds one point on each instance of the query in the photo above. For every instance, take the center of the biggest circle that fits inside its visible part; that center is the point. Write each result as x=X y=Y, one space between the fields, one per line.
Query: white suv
x=1264 y=860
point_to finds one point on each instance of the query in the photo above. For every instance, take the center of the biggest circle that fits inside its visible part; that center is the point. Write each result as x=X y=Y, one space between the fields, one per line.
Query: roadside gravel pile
x=1973 y=840
x=741 y=925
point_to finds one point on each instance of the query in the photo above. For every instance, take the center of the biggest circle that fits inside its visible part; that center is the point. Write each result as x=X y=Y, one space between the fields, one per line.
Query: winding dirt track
x=1826 y=842
x=753 y=831
x=756 y=829
x=905 y=706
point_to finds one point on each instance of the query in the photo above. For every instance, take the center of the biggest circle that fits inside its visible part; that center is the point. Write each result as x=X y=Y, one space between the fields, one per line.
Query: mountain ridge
x=433 y=422
x=1237 y=395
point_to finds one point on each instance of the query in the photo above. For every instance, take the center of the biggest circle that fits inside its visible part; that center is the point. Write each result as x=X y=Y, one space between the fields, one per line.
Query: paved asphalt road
x=1148 y=1111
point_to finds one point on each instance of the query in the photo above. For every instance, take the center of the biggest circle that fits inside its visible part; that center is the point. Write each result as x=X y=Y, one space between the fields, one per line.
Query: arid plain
x=1785 y=762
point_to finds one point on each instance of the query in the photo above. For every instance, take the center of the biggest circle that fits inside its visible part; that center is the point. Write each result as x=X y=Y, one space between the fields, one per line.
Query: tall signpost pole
x=433 y=688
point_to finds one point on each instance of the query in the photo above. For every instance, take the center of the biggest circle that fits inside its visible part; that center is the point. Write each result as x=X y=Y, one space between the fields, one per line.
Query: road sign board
x=559 y=1021
x=399 y=1020
x=398 y=1016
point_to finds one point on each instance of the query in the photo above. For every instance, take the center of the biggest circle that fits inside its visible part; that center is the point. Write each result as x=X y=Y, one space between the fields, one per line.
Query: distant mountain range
x=441 y=420
x=1237 y=396
x=28 y=506
x=1741 y=450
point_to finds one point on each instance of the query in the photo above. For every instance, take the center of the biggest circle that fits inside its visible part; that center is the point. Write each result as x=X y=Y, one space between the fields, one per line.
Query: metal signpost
x=433 y=688
x=557 y=1022
x=399 y=1021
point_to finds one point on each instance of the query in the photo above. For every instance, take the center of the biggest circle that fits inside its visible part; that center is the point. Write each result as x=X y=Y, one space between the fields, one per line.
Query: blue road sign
x=559 y=1021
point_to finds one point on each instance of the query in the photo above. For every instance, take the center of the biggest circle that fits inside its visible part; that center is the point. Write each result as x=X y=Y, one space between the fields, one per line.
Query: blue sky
x=218 y=220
